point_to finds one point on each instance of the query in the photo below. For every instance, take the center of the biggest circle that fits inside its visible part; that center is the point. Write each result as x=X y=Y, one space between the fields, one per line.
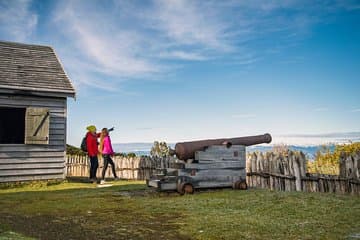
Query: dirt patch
x=144 y=193
x=127 y=225
x=135 y=193
x=154 y=192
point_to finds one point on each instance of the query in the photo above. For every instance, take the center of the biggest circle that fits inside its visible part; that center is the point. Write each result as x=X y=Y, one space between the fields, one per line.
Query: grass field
x=127 y=210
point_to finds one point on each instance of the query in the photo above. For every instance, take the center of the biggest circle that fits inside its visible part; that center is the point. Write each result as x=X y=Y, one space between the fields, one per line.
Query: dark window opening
x=12 y=125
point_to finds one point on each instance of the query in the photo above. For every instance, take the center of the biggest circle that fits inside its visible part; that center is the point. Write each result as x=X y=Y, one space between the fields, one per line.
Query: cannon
x=186 y=150
x=214 y=163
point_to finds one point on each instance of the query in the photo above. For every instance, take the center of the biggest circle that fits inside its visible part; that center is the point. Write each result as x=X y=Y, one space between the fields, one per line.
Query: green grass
x=127 y=210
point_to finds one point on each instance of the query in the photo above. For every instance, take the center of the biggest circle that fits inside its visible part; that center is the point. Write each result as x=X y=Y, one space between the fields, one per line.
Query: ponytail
x=104 y=133
x=101 y=146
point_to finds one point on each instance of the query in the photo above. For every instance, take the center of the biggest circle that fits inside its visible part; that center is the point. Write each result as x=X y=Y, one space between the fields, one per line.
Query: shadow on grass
x=70 y=188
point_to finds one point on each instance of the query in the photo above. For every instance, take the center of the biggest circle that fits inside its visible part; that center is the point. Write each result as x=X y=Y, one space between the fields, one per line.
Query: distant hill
x=137 y=148
x=309 y=151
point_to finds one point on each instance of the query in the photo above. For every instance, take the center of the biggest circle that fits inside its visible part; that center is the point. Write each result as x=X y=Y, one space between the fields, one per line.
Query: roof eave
x=37 y=92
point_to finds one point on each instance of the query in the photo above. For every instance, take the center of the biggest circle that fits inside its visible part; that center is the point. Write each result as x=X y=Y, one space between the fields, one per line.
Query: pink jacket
x=107 y=148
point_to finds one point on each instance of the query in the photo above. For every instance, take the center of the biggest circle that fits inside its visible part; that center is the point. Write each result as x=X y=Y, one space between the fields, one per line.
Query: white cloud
x=317 y=139
x=356 y=110
x=188 y=23
x=245 y=58
x=249 y=115
x=182 y=55
x=17 y=21
x=133 y=44
x=118 y=41
x=110 y=50
x=349 y=135
x=321 y=109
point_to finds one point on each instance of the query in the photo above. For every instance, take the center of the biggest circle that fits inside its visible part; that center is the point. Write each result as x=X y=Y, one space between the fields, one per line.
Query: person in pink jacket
x=107 y=152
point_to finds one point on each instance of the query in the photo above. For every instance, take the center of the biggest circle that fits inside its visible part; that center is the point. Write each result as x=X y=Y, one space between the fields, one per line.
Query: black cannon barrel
x=186 y=150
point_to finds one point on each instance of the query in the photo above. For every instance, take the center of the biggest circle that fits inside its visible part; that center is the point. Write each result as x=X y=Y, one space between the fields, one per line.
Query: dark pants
x=107 y=161
x=94 y=163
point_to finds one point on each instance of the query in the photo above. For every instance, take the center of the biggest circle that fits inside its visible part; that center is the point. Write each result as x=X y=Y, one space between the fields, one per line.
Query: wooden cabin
x=33 y=92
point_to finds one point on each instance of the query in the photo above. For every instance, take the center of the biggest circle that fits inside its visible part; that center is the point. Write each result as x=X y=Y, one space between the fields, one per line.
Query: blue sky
x=183 y=70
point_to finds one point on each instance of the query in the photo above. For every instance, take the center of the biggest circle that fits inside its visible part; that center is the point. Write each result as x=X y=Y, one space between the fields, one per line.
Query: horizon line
x=295 y=135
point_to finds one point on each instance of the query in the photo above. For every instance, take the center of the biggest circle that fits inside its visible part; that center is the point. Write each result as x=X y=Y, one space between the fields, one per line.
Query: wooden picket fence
x=136 y=168
x=287 y=172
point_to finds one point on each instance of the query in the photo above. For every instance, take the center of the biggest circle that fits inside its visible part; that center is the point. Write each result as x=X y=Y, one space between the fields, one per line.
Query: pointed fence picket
x=139 y=168
x=286 y=171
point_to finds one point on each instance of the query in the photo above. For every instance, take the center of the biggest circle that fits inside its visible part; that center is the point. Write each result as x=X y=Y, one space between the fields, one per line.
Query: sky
x=176 y=70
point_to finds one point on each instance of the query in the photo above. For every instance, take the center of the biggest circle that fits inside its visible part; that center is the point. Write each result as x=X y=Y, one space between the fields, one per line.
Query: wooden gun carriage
x=216 y=163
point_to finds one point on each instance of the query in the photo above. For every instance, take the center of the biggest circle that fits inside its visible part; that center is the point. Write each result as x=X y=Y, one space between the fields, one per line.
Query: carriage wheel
x=180 y=189
x=185 y=188
x=242 y=185
x=188 y=188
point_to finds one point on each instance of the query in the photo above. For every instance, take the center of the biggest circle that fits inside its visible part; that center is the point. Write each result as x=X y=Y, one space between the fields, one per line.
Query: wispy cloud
x=108 y=48
x=317 y=139
x=117 y=41
x=245 y=58
x=144 y=128
x=182 y=55
x=349 y=5
x=356 y=110
x=17 y=21
x=134 y=44
x=188 y=23
x=325 y=135
x=321 y=109
x=244 y=115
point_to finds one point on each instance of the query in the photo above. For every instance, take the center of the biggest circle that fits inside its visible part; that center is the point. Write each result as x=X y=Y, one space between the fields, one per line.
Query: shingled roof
x=32 y=68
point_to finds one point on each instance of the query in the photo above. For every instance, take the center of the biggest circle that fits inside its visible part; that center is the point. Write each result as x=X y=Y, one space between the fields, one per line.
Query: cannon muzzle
x=186 y=150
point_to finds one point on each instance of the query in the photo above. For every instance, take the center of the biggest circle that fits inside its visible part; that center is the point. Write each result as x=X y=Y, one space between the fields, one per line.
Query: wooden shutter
x=37 y=122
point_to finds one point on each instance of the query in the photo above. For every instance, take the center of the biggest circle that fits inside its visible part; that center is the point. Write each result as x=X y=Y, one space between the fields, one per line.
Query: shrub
x=327 y=161
x=280 y=148
x=131 y=155
x=160 y=149
x=72 y=150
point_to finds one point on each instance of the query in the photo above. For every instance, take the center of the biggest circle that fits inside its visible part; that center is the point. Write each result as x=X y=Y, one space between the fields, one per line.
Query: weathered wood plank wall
x=23 y=162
